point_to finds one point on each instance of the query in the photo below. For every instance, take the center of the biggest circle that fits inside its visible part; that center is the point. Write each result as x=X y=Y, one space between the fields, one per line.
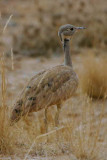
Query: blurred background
x=29 y=43
x=33 y=28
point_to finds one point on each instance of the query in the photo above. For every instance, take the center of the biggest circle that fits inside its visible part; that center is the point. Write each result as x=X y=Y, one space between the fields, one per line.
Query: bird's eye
x=71 y=29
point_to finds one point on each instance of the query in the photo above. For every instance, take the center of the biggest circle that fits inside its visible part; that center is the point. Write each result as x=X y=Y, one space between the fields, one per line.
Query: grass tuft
x=6 y=139
x=94 y=77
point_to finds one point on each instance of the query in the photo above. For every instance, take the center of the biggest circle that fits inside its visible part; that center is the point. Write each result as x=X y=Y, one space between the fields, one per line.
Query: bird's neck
x=67 y=58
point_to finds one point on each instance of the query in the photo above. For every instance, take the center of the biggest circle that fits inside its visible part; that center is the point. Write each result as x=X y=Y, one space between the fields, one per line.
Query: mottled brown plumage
x=49 y=87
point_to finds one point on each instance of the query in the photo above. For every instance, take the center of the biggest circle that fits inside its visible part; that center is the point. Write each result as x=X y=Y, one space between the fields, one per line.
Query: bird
x=49 y=87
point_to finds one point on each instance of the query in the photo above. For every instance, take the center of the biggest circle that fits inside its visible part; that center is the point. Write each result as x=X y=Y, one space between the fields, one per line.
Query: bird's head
x=17 y=112
x=67 y=30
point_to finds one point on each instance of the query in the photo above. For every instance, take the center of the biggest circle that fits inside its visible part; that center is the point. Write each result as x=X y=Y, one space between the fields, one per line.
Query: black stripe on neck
x=66 y=39
x=65 y=43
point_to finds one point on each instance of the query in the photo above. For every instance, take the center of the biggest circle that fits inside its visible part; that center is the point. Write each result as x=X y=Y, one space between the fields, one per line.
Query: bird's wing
x=28 y=85
x=42 y=88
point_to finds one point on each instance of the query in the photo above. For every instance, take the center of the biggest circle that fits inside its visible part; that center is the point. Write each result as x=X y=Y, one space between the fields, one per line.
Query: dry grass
x=94 y=77
x=78 y=136
x=85 y=136
x=6 y=139
x=10 y=139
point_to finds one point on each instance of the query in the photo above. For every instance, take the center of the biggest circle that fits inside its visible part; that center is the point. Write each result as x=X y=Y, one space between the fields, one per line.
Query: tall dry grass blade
x=12 y=58
x=6 y=133
x=0 y=16
x=3 y=91
x=7 y=23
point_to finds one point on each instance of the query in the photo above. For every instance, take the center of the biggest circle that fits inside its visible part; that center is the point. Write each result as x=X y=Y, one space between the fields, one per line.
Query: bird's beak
x=80 y=27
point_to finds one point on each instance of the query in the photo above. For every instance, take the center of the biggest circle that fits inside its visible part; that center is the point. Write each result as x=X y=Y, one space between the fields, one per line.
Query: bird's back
x=49 y=87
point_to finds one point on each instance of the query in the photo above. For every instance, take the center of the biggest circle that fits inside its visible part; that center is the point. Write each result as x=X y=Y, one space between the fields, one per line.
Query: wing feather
x=49 y=87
